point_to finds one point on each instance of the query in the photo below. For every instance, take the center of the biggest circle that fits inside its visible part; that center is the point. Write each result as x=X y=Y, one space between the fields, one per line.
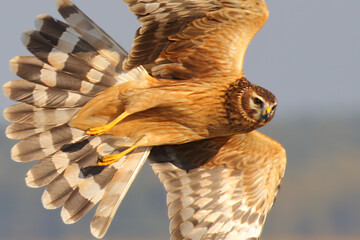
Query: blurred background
x=308 y=55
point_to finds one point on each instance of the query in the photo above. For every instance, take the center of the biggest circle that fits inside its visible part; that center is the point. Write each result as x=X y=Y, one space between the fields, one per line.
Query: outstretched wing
x=186 y=39
x=220 y=188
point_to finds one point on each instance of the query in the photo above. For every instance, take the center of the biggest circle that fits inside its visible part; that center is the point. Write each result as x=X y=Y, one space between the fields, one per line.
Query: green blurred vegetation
x=319 y=198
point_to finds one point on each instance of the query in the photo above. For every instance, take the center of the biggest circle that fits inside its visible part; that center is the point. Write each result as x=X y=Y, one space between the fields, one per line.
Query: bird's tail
x=71 y=64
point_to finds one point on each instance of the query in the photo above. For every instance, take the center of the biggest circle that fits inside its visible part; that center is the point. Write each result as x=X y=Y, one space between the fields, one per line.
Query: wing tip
x=30 y=180
x=46 y=201
x=40 y=20
x=14 y=59
x=9 y=133
x=7 y=90
x=96 y=231
x=7 y=113
x=26 y=37
x=63 y=3
x=14 y=64
x=15 y=154
x=66 y=216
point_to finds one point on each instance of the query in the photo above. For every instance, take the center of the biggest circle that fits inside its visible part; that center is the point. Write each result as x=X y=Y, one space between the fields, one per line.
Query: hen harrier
x=90 y=114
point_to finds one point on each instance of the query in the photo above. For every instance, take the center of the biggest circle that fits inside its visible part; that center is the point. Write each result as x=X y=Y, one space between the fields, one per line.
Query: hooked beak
x=266 y=116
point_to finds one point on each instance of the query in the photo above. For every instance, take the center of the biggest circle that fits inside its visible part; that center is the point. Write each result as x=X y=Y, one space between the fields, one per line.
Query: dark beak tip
x=266 y=117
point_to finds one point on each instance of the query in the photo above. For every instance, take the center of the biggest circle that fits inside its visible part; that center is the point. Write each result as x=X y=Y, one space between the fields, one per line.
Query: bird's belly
x=152 y=133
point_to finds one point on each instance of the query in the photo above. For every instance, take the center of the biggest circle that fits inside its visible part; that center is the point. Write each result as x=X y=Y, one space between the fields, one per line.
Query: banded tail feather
x=72 y=63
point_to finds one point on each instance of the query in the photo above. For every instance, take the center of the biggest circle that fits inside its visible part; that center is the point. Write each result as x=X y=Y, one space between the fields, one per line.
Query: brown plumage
x=181 y=90
x=176 y=112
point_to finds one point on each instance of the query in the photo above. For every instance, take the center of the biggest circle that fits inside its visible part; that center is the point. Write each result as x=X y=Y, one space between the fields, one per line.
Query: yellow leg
x=96 y=131
x=113 y=158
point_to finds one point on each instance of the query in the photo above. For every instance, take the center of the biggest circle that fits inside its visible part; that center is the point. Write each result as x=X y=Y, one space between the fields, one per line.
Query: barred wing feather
x=194 y=38
x=225 y=189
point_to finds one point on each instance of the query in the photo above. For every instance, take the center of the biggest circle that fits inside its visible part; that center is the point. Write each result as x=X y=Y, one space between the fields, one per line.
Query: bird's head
x=258 y=104
x=249 y=106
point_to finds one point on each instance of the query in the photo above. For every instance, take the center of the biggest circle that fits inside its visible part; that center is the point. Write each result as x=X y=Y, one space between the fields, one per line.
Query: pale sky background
x=308 y=55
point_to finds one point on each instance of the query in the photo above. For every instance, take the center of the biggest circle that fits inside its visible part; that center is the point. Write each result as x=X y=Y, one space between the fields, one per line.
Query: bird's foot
x=113 y=158
x=96 y=131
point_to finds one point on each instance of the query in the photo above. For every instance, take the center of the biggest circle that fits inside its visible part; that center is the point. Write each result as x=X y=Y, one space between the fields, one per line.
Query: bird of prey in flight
x=91 y=114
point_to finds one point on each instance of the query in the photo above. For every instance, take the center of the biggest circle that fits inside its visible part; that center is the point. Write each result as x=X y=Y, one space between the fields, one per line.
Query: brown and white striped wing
x=186 y=39
x=227 y=195
x=71 y=64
